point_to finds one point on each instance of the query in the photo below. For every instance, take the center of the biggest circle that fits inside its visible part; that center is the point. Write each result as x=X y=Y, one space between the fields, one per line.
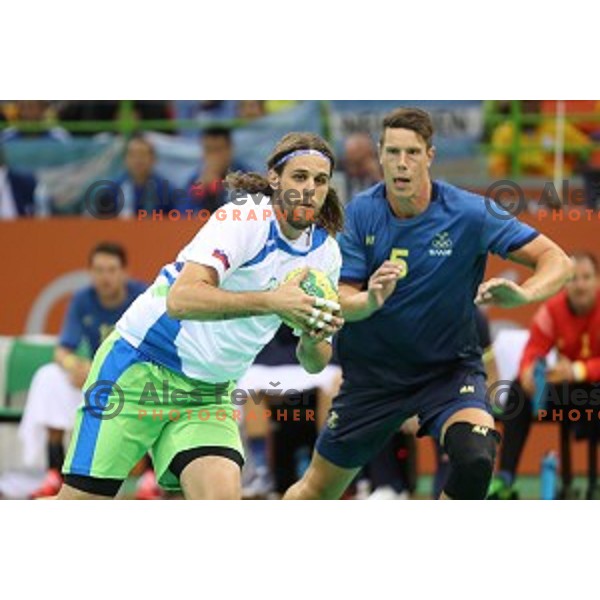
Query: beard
x=299 y=216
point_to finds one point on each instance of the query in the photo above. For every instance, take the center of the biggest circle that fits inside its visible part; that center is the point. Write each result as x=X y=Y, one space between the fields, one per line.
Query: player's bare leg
x=212 y=478
x=474 y=417
x=322 y=481
x=70 y=493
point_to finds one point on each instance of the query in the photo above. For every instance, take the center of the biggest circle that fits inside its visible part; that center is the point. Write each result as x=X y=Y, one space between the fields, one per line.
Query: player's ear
x=430 y=155
x=273 y=178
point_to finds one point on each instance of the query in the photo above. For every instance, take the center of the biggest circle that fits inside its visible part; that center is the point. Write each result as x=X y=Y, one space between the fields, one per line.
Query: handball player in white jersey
x=198 y=328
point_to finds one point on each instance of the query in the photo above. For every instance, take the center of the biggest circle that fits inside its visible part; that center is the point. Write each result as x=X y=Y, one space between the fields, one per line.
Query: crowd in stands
x=142 y=187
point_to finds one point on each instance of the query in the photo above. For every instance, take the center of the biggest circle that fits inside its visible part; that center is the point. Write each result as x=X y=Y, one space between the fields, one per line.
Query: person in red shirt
x=569 y=323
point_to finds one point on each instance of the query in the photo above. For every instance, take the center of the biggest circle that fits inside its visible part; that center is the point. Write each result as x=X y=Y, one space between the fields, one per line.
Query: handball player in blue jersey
x=414 y=254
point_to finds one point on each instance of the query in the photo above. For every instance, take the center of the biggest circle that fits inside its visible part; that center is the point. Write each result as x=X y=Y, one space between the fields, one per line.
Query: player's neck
x=113 y=300
x=290 y=232
x=582 y=310
x=140 y=180
x=407 y=208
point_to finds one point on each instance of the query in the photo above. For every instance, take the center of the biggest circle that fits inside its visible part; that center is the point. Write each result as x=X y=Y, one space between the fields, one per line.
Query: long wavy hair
x=331 y=216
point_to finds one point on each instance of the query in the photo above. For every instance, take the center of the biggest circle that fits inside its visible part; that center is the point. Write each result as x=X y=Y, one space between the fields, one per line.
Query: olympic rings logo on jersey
x=441 y=245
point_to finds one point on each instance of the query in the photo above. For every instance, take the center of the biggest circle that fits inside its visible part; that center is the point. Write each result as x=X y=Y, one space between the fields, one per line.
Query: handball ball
x=316 y=283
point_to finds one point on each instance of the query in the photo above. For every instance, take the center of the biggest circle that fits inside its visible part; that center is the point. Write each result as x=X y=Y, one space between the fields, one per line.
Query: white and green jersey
x=244 y=244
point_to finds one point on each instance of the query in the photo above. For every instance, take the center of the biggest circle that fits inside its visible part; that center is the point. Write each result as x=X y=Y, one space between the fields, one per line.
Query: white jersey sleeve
x=334 y=256
x=226 y=241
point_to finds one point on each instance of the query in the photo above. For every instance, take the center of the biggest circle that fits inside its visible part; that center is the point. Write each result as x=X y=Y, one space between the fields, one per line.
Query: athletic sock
x=56 y=456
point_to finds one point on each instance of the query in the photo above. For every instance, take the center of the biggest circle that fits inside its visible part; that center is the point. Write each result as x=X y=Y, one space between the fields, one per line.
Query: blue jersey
x=89 y=322
x=428 y=323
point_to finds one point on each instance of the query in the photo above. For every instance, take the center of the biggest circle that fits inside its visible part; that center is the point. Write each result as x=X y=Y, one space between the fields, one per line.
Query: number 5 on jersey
x=398 y=256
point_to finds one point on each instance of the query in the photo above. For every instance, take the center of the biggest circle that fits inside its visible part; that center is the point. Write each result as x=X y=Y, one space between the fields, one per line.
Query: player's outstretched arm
x=552 y=270
x=358 y=305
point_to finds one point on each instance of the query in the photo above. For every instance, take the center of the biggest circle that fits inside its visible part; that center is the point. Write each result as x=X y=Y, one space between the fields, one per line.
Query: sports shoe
x=50 y=486
x=500 y=490
x=147 y=487
x=387 y=492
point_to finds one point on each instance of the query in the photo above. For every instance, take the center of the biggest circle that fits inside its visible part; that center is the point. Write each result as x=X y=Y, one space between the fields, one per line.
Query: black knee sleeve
x=472 y=451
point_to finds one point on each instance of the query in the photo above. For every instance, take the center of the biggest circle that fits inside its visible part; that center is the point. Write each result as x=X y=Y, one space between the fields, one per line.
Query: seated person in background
x=17 y=191
x=55 y=391
x=537 y=145
x=143 y=188
x=569 y=322
x=205 y=186
x=360 y=164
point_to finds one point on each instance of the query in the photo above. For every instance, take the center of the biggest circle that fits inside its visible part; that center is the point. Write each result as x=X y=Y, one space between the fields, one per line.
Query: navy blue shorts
x=361 y=420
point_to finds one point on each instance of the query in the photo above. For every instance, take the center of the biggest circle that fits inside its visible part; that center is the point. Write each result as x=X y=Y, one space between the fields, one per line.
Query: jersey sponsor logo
x=480 y=429
x=332 y=420
x=467 y=389
x=222 y=257
x=441 y=245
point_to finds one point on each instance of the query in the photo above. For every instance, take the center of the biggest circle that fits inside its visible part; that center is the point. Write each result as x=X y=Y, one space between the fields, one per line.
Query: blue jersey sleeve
x=72 y=330
x=354 y=262
x=502 y=233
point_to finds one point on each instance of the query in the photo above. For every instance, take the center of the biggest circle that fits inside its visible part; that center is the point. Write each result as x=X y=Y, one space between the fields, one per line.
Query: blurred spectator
x=569 y=324
x=32 y=111
x=360 y=164
x=17 y=191
x=537 y=146
x=143 y=188
x=251 y=109
x=205 y=186
x=55 y=391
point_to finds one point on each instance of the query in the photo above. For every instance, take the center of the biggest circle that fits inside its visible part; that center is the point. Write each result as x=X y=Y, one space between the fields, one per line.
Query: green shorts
x=133 y=406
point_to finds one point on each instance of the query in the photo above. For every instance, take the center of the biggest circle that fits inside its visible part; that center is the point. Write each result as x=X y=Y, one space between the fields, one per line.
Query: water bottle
x=548 y=476
x=539 y=377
